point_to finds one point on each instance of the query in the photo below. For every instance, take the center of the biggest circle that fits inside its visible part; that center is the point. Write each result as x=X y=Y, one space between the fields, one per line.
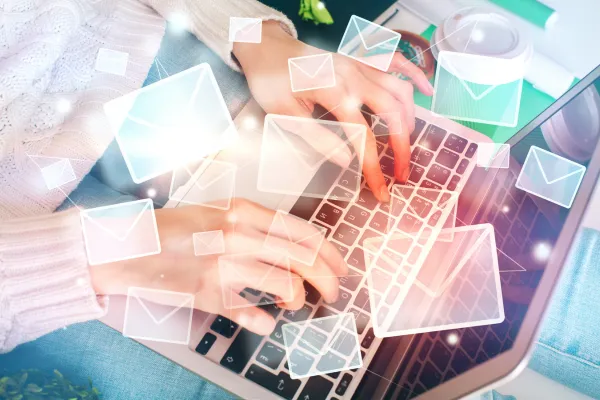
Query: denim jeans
x=568 y=350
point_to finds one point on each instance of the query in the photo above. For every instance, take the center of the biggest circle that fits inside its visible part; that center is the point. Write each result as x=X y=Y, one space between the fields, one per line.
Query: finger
x=319 y=274
x=370 y=159
x=381 y=102
x=246 y=315
x=312 y=133
x=293 y=229
x=407 y=68
x=239 y=271
x=401 y=90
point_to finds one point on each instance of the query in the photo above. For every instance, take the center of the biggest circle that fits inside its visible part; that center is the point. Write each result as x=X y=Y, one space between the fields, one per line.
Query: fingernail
x=343 y=159
x=384 y=194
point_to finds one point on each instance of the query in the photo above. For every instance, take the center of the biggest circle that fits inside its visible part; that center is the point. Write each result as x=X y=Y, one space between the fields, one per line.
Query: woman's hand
x=266 y=68
x=245 y=229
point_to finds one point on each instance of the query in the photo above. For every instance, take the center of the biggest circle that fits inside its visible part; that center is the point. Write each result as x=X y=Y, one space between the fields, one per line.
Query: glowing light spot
x=151 y=192
x=452 y=339
x=80 y=281
x=351 y=103
x=250 y=123
x=505 y=209
x=178 y=23
x=231 y=218
x=63 y=106
x=320 y=5
x=541 y=251
x=162 y=275
x=477 y=36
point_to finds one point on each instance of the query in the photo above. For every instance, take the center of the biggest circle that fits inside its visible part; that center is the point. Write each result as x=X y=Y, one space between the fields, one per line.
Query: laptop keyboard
x=439 y=160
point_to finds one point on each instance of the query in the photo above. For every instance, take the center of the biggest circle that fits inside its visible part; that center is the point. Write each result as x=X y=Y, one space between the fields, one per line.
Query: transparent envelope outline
x=279 y=221
x=395 y=37
x=500 y=155
x=271 y=128
x=188 y=300
x=444 y=62
x=115 y=112
x=209 y=242
x=437 y=205
x=532 y=155
x=85 y=215
x=327 y=60
x=51 y=181
x=228 y=264
x=229 y=171
x=244 y=26
x=339 y=329
x=111 y=61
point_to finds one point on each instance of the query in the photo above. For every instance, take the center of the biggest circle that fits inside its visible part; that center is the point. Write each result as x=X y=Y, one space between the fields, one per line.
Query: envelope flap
x=311 y=66
x=554 y=168
x=373 y=35
x=288 y=133
x=245 y=25
x=118 y=220
x=161 y=305
x=217 y=171
x=207 y=238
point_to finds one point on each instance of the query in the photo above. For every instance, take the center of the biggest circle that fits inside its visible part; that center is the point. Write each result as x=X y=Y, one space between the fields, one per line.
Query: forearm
x=209 y=20
x=44 y=278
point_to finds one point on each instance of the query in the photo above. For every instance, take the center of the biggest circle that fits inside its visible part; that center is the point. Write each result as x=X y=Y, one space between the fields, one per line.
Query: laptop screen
x=526 y=196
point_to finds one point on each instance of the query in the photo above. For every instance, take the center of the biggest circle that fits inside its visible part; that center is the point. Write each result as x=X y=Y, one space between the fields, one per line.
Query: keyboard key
x=368 y=234
x=330 y=361
x=271 y=308
x=357 y=259
x=413 y=374
x=281 y=384
x=392 y=295
x=438 y=174
x=461 y=362
x=223 y=326
x=366 y=199
x=462 y=167
x=298 y=315
x=421 y=156
x=326 y=325
x=342 y=301
x=394 y=207
x=433 y=137
x=362 y=300
x=357 y=216
x=368 y=339
x=277 y=334
x=343 y=385
x=387 y=166
x=253 y=291
x=312 y=340
x=350 y=180
x=419 y=125
x=390 y=260
x=362 y=320
x=440 y=355
x=470 y=342
x=447 y=158
x=528 y=211
x=329 y=215
x=502 y=224
x=341 y=248
x=346 y=234
x=416 y=173
x=491 y=344
x=425 y=347
x=409 y=224
x=380 y=148
x=206 y=343
x=312 y=294
x=389 y=152
x=270 y=355
x=456 y=143
x=317 y=388
x=301 y=361
x=510 y=208
x=354 y=164
x=471 y=150
x=430 y=377
x=421 y=207
x=380 y=222
x=239 y=353
x=429 y=194
x=351 y=281
x=453 y=184
x=340 y=197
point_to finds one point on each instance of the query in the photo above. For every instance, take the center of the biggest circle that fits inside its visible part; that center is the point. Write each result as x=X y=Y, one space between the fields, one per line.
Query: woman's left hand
x=266 y=68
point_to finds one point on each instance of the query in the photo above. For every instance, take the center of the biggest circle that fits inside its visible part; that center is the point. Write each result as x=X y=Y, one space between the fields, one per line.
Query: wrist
x=272 y=31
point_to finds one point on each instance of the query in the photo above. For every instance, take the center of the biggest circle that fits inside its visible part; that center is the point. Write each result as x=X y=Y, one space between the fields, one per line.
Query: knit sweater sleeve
x=44 y=278
x=209 y=20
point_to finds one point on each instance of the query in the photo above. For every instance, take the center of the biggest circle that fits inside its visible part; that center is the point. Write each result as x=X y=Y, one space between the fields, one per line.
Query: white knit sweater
x=48 y=50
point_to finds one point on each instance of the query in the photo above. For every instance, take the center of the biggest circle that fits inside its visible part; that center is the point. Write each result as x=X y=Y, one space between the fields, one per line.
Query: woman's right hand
x=245 y=227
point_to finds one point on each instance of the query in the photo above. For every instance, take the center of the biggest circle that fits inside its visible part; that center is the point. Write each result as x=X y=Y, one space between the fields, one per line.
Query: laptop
x=532 y=239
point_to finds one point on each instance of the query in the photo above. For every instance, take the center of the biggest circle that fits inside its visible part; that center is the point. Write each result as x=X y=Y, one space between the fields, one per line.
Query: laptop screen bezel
x=508 y=364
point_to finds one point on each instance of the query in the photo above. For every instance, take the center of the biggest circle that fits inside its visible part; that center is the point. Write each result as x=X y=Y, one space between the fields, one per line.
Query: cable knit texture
x=51 y=100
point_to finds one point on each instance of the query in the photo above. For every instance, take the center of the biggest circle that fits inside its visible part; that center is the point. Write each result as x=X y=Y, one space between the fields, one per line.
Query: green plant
x=314 y=10
x=33 y=384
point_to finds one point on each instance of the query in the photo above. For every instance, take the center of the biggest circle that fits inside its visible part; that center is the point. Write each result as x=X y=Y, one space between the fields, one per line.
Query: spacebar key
x=281 y=384
x=241 y=350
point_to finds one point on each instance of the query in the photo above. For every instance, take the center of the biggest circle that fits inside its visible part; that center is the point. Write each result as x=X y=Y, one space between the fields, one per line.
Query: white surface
x=530 y=385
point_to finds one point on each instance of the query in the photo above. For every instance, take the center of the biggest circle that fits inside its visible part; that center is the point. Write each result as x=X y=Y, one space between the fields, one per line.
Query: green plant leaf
x=315 y=10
